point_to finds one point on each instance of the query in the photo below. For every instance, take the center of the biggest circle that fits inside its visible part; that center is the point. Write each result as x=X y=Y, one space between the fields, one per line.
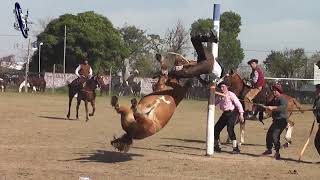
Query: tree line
x=93 y=35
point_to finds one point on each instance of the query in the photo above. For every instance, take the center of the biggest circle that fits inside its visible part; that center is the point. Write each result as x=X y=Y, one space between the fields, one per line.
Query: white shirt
x=78 y=69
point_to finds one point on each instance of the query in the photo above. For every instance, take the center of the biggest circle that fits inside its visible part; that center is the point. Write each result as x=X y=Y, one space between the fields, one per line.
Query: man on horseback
x=206 y=63
x=84 y=72
x=256 y=82
x=280 y=116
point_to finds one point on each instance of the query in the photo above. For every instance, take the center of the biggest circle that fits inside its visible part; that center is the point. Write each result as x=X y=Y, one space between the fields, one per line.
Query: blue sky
x=266 y=25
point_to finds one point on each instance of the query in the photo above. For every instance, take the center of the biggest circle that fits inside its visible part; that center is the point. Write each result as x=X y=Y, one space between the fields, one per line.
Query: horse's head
x=235 y=81
x=94 y=82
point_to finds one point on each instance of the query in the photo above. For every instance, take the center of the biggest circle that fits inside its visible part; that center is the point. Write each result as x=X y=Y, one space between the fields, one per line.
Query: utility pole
x=40 y=44
x=27 y=68
x=64 y=51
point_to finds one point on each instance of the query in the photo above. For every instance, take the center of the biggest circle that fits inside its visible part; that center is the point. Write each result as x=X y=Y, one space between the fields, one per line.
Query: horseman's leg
x=269 y=136
x=218 y=127
x=77 y=107
x=230 y=128
x=280 y=126
x=317 y=140
x=197 y=44
x=248 y=101
x=93 y=104
x=86 y=107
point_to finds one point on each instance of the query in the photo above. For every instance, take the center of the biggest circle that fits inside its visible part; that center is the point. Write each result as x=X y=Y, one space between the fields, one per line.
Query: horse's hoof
x=90 y=114
x=87 y=119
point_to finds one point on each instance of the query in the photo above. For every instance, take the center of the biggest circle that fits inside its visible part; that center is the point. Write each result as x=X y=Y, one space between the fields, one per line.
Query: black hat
x=318 y=86
x=224 y=83
x=277 y=87
x=253 y=60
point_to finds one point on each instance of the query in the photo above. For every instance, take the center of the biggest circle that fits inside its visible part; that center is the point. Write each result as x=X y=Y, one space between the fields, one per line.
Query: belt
x=228 y=111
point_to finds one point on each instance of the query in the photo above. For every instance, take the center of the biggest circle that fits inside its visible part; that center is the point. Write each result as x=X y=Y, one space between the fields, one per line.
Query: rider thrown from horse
x=206 y=63
x=256 y=82
x=84 y=72
x=231 y=107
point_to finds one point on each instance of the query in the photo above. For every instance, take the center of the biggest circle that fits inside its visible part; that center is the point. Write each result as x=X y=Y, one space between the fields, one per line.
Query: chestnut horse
x=85 y=93
x=153 y=111
x=265 y=96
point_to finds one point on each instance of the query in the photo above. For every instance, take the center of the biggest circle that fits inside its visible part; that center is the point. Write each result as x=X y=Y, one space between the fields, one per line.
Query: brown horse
x=85 y=93
x=153 y=111
x=239 y=88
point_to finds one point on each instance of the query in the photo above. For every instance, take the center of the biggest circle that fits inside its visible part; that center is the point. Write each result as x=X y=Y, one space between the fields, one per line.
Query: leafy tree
x=230 y=51
x=87 y=33
x=285 y=64
x=289 y=63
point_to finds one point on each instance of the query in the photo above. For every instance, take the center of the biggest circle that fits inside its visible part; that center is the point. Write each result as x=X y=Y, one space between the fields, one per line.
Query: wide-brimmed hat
x=277 y=87
x=253 y=60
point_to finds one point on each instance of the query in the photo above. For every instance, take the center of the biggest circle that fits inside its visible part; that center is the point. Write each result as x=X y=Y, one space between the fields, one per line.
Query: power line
x=14 y=35
x=268 y=51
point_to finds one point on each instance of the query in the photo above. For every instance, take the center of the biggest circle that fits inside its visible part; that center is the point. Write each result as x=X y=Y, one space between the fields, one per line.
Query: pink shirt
x=229 y=102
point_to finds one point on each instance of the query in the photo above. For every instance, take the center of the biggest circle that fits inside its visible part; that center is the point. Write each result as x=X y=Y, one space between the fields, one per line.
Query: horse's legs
x=93 y=104
x=70 y=101
x=288 y=135
x=77 y=108
x=86 y=106
x=242 y=129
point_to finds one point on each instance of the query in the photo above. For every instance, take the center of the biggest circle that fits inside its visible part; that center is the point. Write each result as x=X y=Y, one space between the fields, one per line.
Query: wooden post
x=110 y=81
x=210 y=122
x=27 y=68
x=53 y=74
x=211 y=100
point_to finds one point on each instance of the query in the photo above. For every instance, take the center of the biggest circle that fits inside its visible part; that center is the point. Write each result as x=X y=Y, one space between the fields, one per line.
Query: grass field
x=37 y=142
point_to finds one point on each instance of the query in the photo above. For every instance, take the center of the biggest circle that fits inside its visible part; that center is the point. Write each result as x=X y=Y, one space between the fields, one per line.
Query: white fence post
x=211 y=100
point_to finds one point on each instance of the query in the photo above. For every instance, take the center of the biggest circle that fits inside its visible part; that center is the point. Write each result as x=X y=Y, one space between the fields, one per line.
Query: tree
x=230 y=51
x=87 y=33
x=288 y=64
x=7 y=63
x=285 y=64
x=177 y=38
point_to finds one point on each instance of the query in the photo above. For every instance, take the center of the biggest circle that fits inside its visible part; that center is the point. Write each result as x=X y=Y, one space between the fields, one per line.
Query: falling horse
x=240 y=88
x=153 y=111
x=86 y=93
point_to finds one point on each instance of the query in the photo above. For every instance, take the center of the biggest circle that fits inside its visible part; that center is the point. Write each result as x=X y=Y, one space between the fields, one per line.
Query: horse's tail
x=298 y=105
